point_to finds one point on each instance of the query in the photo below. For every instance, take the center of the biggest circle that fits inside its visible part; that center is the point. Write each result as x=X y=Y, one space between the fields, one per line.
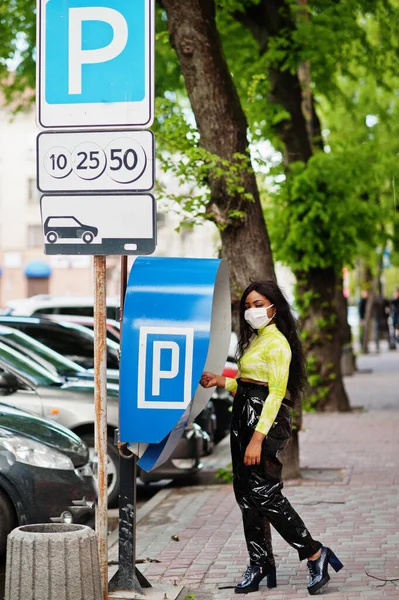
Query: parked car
x=49 y=359
x=68 y=339
x=45 y=473
x=60 y=305
x=221 y=402
x=113 y=326
x=33 y=388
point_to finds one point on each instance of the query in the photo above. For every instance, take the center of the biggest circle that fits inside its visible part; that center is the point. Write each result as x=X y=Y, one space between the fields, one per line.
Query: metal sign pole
x=127 y=577
x=100 y=403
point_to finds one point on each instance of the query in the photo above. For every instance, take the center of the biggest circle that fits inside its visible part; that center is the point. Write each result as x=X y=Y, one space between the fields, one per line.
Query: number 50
x=128 y=160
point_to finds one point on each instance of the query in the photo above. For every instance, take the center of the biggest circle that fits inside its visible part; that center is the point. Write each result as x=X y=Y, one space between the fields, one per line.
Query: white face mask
x=257 y=317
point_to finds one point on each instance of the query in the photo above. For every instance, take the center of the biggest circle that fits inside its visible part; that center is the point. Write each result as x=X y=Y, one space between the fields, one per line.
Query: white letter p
x=157 y=374
x=77 y=56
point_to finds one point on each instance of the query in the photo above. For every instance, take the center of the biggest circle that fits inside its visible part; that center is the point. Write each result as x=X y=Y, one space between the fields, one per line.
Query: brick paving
x=356 y=512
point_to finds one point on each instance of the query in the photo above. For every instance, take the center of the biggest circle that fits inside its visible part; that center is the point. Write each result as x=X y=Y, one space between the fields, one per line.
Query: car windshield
x=68 y=339
x=89 y=333
x=31 y=371
x=63 y=222
x=48 y=358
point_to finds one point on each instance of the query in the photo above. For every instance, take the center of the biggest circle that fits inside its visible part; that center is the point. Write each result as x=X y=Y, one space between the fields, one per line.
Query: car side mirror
x=8 y=382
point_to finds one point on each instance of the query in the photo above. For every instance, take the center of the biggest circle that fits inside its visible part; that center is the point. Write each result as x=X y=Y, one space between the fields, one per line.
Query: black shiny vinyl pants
x=258 y=488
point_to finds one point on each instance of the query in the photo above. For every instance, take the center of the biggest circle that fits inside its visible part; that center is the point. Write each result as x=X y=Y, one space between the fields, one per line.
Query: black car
x=47 y=358
x=45 y=474
x=68 y=227
x=68 y=339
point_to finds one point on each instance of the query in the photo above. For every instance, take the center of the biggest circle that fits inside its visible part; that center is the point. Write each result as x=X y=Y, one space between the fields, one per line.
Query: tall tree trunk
x=368 y=320
x=291 y=467
x=223 y=128
x=370 y=285
x=322 y=342
x=374 y=286
x=266 y=20
x=348 y=359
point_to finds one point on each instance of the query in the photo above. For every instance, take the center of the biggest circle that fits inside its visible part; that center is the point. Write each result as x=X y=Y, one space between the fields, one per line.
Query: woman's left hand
x=253 y=453
x=254 y=449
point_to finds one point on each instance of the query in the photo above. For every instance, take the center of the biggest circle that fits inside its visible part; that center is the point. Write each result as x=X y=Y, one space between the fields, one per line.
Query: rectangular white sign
x=95 y=64
x=98 y=224
x=96 y=161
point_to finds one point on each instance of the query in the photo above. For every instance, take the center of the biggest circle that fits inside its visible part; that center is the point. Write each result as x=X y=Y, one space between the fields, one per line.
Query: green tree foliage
x=17 y=49
x=182 y=156
x=330 y=205
x=363 y=124
x=316 y=217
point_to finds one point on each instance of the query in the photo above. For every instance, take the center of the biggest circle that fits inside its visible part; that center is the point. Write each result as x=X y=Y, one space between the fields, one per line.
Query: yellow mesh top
x=266 y=359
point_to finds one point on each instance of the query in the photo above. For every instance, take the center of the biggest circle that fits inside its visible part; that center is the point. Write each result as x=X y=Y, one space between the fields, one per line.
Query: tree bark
x=223 y=128
x=265 y=20
x=322 y=342
x=371 y=286
x=348 y=359
x=291 y=467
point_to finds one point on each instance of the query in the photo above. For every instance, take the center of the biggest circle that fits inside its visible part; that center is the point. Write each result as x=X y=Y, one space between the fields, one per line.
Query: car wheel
x=88 y=237
x=113 y=467
x=7 y=522
x=52 y=237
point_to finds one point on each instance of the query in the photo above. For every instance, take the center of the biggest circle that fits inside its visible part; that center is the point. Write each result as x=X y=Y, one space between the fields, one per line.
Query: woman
x=271 y=362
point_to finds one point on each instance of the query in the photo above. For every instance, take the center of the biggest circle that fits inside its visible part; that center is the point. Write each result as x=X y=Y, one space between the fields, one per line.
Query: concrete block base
x=52 y=561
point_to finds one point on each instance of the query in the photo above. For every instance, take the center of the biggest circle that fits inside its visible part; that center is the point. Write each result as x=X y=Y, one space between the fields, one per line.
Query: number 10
x=59 y=162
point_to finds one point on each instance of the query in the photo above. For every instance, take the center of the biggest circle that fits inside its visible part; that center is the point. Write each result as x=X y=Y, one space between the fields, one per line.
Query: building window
x=35 y=236
x=33 y=192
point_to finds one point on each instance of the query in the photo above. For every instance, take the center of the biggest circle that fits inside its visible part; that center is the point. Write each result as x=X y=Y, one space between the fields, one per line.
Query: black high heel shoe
x=318 y=569
x=252 y=578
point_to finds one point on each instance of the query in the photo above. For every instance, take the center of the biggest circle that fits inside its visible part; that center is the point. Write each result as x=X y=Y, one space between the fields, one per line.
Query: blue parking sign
x=95 y=64
x=176 y=324
x=104 y=60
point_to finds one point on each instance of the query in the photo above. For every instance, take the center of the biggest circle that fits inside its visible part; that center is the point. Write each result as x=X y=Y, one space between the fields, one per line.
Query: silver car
x=71 y=403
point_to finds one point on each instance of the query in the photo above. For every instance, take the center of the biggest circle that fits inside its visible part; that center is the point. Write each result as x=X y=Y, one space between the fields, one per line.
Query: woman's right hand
x=211 y=380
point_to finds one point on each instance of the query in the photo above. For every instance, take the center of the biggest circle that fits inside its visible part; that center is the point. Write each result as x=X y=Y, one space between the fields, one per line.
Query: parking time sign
x=95 y=63
x=95 y=161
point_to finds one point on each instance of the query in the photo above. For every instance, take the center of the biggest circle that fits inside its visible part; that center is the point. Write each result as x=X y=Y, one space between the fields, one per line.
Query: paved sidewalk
x=349 y=500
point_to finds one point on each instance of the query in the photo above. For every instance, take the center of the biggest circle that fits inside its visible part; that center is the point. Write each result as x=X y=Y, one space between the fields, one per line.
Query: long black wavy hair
x=286 y=323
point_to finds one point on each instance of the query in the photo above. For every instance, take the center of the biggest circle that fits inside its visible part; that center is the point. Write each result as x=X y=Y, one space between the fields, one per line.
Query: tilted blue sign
x=176 y=324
